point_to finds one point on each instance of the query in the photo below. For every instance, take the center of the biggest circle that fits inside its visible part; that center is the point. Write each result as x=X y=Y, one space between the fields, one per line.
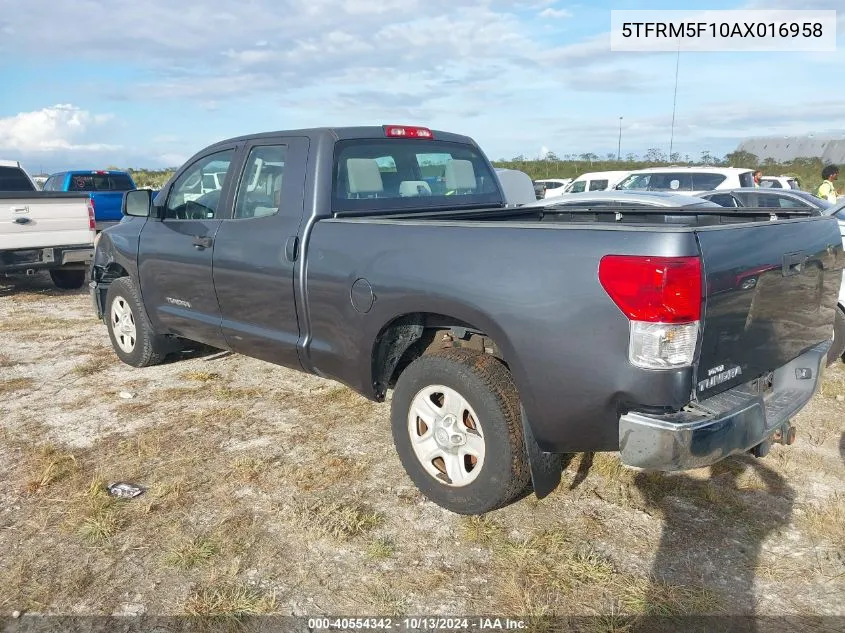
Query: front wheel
x=132 y=335
x=838 y=347
x=457 y=427
x=68 y=279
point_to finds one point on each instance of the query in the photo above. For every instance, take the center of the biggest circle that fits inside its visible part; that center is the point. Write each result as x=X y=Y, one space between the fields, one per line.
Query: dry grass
x=47 y=466
x=381 y=548
x=189 y=553
x=199 y=376
x=228 y=600
x=339 y=519
x=11 y=385
x=826 y=521
x=385 y=600
x=481 y=530
x=131 y=409
x=6 y=361
x=326 y=469
x=38 y=324
x=655 y=598
x=95 y=365
x=833 y=385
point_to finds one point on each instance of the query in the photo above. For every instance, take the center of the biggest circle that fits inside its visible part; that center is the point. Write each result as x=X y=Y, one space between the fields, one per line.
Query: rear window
x=14 y=179
x=746 y=179
x=100 y=182
x=401 y=174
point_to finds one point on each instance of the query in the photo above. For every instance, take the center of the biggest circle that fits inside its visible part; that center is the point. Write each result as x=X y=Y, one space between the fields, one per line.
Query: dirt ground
x=269 y=491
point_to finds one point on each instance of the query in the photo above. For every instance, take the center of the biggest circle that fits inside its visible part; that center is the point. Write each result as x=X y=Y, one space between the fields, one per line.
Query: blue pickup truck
x=105 y=187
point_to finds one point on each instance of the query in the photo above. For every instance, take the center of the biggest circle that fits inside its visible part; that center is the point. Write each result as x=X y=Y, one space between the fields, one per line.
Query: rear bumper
x=17 y=261
x=728 y=423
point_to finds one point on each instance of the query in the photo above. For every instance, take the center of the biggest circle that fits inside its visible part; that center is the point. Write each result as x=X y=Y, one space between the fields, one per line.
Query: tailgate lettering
x=719 y=377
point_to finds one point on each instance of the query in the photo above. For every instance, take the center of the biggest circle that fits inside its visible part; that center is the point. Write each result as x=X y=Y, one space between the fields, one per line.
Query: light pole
x=619 y=147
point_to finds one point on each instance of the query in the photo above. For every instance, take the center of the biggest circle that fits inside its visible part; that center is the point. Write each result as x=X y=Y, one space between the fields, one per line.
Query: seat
x=460 y=176
x=413 y=188
x=364 y=178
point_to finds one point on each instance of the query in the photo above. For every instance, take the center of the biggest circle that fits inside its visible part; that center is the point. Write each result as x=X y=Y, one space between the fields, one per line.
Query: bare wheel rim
x=123 y=324
x=446 y=435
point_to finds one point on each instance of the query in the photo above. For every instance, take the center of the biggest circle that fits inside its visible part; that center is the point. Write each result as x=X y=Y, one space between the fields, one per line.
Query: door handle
x=202 y=242
x=291 y=248
x=21 y=220
x=793 y=263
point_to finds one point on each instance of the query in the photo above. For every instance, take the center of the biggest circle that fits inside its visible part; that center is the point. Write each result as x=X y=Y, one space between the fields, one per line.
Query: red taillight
x=653 y=289
x=92 y=221
x=406 y=131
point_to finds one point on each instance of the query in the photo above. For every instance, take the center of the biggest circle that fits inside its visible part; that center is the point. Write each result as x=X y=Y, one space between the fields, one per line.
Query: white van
x=595 y=181
x=688 y=180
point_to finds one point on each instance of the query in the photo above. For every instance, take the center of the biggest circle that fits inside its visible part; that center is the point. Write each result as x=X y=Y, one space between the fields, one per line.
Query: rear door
x=175 y=252
x=771 y=295
x=257 y=248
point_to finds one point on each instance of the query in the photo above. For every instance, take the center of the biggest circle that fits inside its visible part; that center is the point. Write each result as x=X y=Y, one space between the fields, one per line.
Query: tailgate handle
x=793 y=263
x=21 y=220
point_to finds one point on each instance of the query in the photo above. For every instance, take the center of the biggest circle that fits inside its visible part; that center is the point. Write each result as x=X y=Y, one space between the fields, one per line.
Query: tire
x=68 y=279
x=132 y=337
x=838 y=348
x=479 y=462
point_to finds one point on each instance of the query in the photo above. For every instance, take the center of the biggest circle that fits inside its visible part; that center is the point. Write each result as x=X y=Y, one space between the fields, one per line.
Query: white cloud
x=58 y=127
x=555 y=13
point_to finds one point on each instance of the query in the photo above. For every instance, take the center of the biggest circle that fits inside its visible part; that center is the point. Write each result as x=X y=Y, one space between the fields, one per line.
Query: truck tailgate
x=107 y=205
x=771 y=291
x=56 y=220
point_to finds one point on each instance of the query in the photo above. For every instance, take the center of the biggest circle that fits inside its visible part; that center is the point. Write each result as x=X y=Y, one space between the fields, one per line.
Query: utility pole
x=619 y=147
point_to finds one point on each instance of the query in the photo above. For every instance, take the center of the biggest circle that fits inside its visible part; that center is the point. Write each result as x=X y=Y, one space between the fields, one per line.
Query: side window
x=51 y=182
x=578 y=186
x=670 y=182
x=723 y=199
x=196 y=193
x=260 y=189
x=598 y=185
x=706 y=182
x=790 y=203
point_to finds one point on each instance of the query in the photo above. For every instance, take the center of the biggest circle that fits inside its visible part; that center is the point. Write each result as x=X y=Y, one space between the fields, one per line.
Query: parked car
x=554 y=186
x=766 y=198
x=780 y=182
x=510 y=336
x=105 y=188
x=595 y=181
x=628 y=199
x=689 y=180
x=43 y=231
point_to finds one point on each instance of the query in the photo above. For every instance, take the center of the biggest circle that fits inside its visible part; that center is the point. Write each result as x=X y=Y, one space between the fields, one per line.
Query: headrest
x=460 y=175
x=364 y=176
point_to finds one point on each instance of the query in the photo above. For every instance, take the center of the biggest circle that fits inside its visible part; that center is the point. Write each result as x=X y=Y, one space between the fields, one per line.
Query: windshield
x=14 y=179
x=404 y=174
x=100 y=182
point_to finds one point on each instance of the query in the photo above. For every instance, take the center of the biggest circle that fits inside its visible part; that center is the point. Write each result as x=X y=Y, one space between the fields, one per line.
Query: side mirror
x=137 y=203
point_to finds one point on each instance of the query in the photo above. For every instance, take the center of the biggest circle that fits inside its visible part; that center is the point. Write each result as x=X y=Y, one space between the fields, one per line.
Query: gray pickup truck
x=387 y=258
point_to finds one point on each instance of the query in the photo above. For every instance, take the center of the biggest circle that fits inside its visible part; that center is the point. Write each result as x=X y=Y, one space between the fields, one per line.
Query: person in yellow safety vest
x=758 y=177
x=827 y=190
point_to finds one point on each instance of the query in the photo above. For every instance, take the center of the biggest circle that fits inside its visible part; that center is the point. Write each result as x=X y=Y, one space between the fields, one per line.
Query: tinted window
x=771 y=184
x=841 y=214
x=706 y=182
x=553 y=185
x=100 y=182
x=598 y=185
x=14 y=179
x=670 y=182
x=260 y=189
x=578 y=186
x=746 y=179
x=394 y=174
x=194 y=196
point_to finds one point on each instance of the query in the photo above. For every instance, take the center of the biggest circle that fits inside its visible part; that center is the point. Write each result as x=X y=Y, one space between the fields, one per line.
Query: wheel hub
x=448 y=433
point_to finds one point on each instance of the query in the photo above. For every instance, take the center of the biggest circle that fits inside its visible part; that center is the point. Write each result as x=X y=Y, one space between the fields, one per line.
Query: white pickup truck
x=42 y=230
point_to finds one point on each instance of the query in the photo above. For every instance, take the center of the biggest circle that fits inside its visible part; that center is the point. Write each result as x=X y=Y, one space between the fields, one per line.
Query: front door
x=256 y=250
x=175 y=266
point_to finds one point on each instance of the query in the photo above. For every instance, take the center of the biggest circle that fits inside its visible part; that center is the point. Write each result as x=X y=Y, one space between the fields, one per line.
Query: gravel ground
x=270 y=491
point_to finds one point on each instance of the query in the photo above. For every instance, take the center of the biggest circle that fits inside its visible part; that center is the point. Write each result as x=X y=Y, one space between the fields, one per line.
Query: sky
x=92 y=83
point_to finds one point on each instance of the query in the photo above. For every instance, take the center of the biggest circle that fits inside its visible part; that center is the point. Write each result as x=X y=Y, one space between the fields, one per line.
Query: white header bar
x=723 y=31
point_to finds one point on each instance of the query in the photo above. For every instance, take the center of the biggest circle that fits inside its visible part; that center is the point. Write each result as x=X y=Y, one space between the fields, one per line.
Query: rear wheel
x=458 y=431
x=65 y=279
x=132 y=335
x=838 y=347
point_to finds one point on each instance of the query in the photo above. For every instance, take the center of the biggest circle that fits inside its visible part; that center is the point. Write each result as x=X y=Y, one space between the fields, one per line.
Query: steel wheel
x=446 y=436
x=123 y=324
